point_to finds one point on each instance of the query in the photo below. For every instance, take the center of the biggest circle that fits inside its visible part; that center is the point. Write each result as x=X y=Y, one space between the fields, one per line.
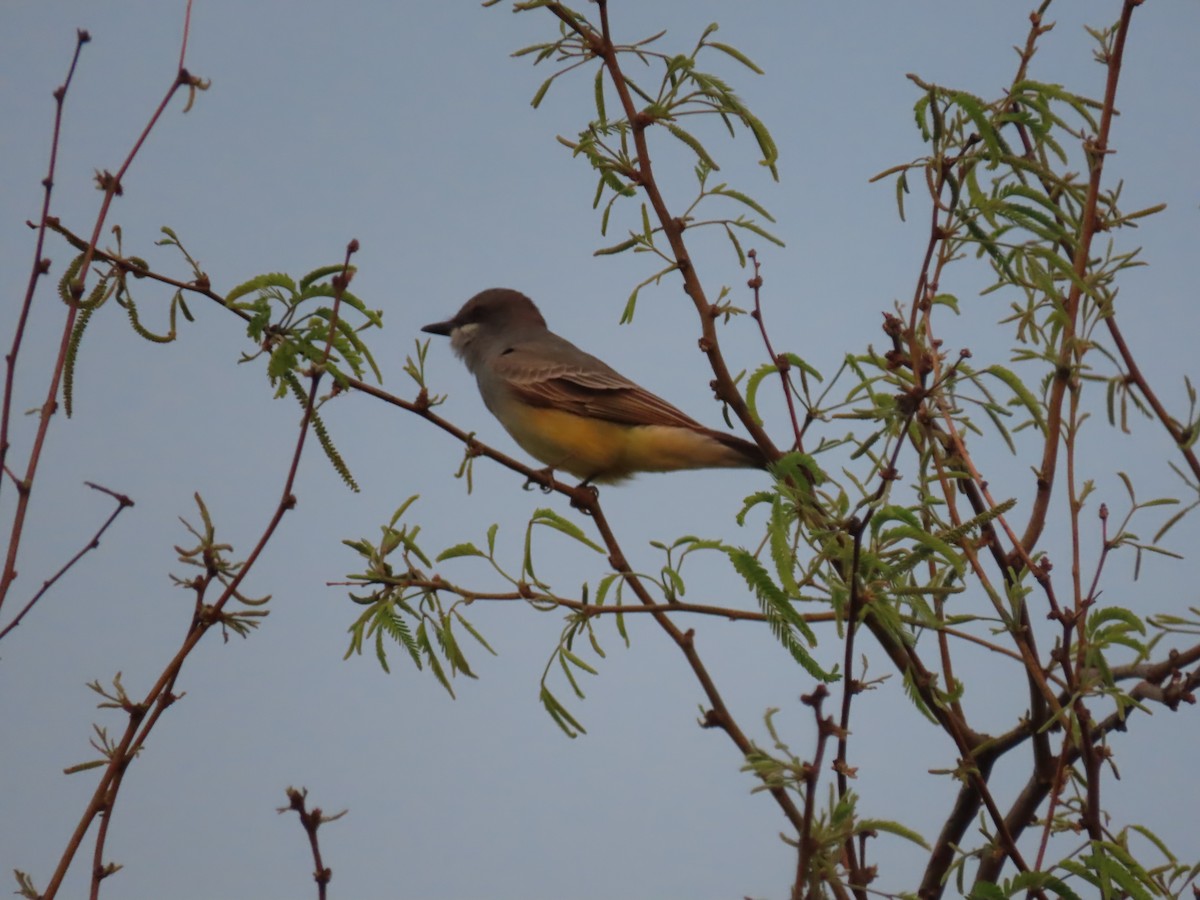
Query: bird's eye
x=507 y=351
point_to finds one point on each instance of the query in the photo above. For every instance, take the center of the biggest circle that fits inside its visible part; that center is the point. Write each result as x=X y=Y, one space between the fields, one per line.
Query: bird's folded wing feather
x=578 y=383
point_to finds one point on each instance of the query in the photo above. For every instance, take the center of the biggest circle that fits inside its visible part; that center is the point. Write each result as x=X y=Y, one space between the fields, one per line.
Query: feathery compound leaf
x=81 y=322
x=757 y=229
x=782 y=618
x=783 y=553
x=736 y=54
x=866 y=825
x=541 y=92
x=318 y=427
x=601 y=115
x=270 y=279
x=324 y=272
x=1022 y=393
x=617 y=248
x=723 y=191
x=974 y=109
x=696 y=146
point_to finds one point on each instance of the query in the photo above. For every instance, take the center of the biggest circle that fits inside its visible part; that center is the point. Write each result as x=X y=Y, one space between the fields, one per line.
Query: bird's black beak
x=442 y=328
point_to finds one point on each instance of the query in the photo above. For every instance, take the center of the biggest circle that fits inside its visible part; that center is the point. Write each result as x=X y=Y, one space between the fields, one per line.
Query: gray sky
x=409 y=128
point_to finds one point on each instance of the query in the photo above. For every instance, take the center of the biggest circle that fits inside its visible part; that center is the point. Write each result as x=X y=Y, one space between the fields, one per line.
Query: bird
x=570 y=410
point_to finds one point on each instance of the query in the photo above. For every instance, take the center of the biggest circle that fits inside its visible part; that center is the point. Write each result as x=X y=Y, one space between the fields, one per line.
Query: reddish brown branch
x=1097 y=151
x=111 y=185
x=718 y=715
x=781 y=363
x=311 y=821
x=161 y=695
x=601 y=45
x=807 y=844
x=40 y=265
x=1134 y=374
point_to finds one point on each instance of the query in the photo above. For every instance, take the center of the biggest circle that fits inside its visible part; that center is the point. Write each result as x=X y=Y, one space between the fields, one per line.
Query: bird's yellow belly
x=604 y=451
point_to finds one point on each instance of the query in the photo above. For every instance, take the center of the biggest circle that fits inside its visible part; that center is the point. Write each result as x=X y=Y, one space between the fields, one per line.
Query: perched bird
x=568 y=409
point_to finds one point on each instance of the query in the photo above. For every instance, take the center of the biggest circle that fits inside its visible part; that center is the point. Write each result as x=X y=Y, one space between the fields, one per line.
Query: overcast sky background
x=409 y=128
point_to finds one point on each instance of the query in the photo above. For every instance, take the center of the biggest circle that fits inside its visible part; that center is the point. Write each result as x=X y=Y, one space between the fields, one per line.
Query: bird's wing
x=561 y=376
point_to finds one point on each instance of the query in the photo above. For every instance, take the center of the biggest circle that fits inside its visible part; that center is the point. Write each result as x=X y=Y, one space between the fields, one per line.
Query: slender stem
x=1069 y=348
x=122 y=503
x=602 y=46
x=40 y=266
x=718 y=715
x=161 y=695
x=112 y=187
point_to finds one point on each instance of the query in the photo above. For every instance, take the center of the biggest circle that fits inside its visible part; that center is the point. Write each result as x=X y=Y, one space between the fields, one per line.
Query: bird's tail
x=741 y=453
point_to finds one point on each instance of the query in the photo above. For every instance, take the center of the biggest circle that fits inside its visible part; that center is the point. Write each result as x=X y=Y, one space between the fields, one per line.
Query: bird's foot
x=543 y=478
x=585 y=496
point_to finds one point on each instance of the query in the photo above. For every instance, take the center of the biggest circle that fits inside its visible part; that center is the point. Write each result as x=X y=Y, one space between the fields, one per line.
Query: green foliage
x=683 y=92
x=210 y=557
x=112 y=281
x=879 y=519
x=292 y=325
x=422 y=612
x=788 y=627
x=405 y=606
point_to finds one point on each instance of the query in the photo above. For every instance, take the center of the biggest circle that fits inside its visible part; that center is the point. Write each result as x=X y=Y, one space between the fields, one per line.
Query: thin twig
x=40 y=266
x=122 y=503
x=161 y=695
x=781 y=362
x=1065 y=370
x=112 y=187
x=311 y=821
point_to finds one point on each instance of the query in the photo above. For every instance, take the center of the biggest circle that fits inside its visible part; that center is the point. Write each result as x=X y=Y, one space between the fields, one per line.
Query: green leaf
x=563 y=719
x=1031 y=881
x=577 y=661
x=630 y=306
x=736 y=54
x=601 y=115
x=473 y=632
x=723 y=191
x=1022 y=393
x=766 y=144
x=974 y=109
x=737 y=247
x=692 y=142
x=553 y=520
x=985 y=890
x=317 y=274
x=465 y=549
x=757 y=229
x=617 y=248
x=937 y=545
x=271 y=279
x=782 y=618
x=541 y=92
x=890 y=827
